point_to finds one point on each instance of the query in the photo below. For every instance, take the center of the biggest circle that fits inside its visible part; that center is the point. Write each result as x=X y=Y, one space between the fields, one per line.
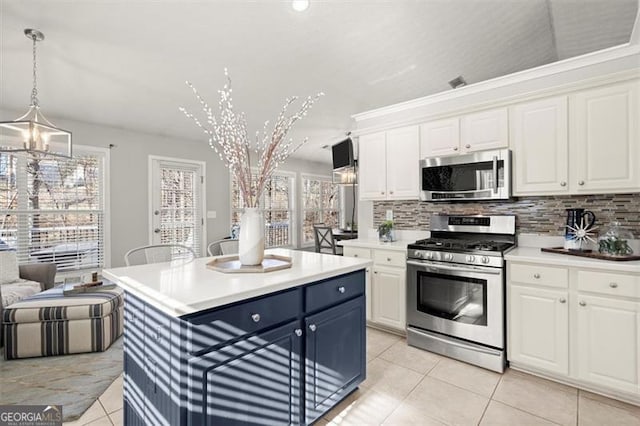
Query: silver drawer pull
x=455 y=148
x=563 y=300
x=341 y=289
x=298 y=332
x=563 y=183
x=355 y=255
x=536 y=276
x=388 y=259
x=312 y=327
x=582 y=303
x=613 y=285
x=581 y=182
x=467 y=146
x=255 y=317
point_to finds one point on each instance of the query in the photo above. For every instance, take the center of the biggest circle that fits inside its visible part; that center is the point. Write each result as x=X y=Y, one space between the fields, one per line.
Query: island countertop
x=179 y=288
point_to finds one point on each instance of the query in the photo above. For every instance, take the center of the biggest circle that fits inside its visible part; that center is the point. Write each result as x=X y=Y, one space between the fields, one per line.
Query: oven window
x=461 y=177
x=454 y=298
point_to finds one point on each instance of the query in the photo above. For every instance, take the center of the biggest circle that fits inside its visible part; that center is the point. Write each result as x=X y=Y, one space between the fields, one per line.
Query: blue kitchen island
x=208 y=348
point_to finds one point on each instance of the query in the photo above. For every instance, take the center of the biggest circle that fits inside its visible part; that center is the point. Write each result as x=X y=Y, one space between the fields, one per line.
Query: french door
x=176 y=200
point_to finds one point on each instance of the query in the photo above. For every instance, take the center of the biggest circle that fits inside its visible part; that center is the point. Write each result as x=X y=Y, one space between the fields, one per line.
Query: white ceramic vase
x=251 y=241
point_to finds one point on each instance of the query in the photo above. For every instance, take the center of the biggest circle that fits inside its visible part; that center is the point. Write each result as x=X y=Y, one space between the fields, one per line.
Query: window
x=277 y=204
x=320 y=204
x=53 y=209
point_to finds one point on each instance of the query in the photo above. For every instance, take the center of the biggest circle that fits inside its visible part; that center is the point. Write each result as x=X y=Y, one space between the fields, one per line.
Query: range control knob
x=484 y=259
x=429 y=255
x=471 y=258
x=448 y=257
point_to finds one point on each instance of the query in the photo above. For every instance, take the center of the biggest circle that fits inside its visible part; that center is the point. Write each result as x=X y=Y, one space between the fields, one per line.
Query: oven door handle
x=434 y=268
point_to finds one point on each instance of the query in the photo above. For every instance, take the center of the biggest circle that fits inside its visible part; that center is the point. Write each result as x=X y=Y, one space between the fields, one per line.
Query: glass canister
x=615 y=240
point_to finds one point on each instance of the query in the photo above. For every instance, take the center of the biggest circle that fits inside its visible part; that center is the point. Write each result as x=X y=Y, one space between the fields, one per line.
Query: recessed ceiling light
x=300 y=5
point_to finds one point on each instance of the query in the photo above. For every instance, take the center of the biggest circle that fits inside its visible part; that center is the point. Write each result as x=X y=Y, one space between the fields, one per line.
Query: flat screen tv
x=342 y=154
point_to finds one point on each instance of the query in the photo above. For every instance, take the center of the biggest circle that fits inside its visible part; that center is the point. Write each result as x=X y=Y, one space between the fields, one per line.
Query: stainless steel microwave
x=483 y=175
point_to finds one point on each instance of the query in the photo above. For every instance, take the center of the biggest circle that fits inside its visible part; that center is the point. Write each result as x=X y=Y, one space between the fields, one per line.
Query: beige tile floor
x=408 y=386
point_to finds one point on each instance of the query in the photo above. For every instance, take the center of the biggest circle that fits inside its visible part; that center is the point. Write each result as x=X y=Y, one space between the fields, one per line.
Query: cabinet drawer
x=214 y=328
x=334 y=291
x=536 y=274
x=608 y=283
x=362 y=253
x=390 y=258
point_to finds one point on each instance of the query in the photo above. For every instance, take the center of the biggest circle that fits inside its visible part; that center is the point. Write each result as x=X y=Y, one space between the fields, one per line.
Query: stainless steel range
x=456 y=288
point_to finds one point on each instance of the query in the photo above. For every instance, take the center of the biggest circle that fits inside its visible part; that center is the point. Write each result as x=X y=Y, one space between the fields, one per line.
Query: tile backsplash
x=535 y=215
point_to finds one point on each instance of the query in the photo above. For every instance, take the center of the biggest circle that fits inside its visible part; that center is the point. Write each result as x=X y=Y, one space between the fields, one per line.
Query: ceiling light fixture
x=300 y=5
x=32 y=132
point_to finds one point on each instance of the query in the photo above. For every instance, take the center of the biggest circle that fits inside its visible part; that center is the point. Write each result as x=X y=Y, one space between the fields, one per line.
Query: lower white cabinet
x=607 y=342
x=584 y=330
x=385 y=286
x=389 y=296
x=539 y=328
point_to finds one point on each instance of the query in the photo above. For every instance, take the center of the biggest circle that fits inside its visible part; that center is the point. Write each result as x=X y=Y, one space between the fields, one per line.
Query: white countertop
x=533 y=254
x=179 y=288
x=374 y=243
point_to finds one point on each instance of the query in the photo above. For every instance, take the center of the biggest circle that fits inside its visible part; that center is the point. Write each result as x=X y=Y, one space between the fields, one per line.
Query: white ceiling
x=124 y=63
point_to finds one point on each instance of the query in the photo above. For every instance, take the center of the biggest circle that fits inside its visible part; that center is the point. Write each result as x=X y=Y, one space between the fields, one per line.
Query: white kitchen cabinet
x=604 y=135
x=461 y=135
x=576 y=325
x=372 y=166
x=386 y=286
x=540 y=144
x=439 y=138
x=362 y=253
x=539 y=328
x=608 y=342
x=484 y=130
x=389 y=165
x=389 y=296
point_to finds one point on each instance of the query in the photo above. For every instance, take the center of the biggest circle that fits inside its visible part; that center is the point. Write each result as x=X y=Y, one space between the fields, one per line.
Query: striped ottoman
x=50 y=323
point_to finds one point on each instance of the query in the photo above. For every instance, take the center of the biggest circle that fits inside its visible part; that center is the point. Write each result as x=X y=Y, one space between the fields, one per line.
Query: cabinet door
x=388 y=293
x=539 y=139
x=439 y=138
x=538 y=328
x=372 y=166
x=249 y=382
x=605 y=154
x=403 y=164
x=335 y=356
x=484 y=130
x=363 y=253
x=608 y=344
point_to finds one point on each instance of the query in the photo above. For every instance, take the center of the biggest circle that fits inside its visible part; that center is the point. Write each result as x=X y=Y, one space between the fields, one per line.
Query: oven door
x=462 y=301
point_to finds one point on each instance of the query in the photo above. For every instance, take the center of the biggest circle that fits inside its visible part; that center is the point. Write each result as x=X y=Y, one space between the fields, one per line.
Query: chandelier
x=32 y=132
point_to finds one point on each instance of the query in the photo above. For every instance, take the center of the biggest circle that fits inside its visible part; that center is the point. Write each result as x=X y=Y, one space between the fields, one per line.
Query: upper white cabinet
x=604 y=139
x=389 y=165
x=540 y=144
x=484 y=130
x=468 y=133
x=439 y=138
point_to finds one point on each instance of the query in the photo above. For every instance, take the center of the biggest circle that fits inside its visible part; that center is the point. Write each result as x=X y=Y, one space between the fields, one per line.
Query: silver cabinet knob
x=341 y=289
x=581 y=182
x=455 y=148
x=390 y=192
x=298 y=332
x=157 y=230
x=255 y=317
x=382 y=193
x=355 y=255
x=582 y=303
x=563 y=300
x=156 y=212
x=388 y=259
x=312 y=327
x=467 y=146
x=536 y=276
x=613 y=285
x=563 y=183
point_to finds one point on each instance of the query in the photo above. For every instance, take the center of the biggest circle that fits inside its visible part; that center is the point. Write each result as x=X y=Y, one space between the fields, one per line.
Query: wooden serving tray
x=591 y=254
x=231 y=264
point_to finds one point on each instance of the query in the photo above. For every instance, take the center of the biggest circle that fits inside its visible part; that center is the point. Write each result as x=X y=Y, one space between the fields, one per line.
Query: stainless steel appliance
x=456 y=288
x=348 y=213
x=483 y=175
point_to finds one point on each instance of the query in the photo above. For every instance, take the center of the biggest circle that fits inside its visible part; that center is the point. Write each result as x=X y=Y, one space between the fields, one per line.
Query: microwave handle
x=495 y=174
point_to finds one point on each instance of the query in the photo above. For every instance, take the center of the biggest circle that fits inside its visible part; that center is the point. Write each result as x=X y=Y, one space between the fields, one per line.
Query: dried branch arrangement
x=227 y=135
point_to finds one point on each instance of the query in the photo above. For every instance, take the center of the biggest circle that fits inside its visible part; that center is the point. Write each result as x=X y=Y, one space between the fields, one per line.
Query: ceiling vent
x=457 y=82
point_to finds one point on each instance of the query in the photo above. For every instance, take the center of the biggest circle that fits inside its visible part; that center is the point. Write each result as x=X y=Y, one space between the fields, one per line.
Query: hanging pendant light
x=32 y=132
